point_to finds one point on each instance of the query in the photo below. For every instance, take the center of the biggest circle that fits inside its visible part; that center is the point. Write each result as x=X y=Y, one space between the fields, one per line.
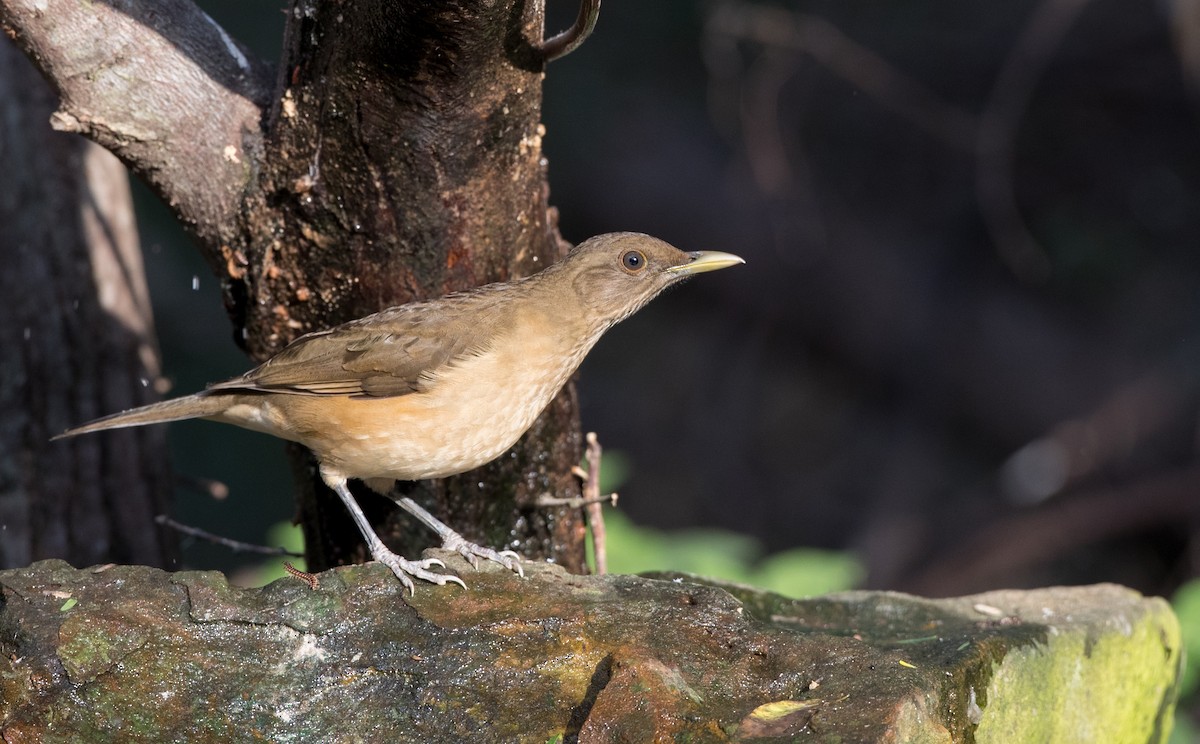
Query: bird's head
x=615 y=274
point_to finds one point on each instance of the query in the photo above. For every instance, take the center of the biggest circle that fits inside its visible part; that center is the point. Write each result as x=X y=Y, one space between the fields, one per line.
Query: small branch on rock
x=574 y=503
x=577 y=502
x=591 y=500
x=594 y=509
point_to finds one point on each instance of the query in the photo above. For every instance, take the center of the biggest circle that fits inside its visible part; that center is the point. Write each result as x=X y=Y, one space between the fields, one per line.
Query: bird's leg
x=404 y=569
x=451 y=540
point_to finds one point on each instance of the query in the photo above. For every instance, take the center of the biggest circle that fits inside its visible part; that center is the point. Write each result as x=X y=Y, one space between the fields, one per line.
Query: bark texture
x=403 y=161
x=161 y=86
x=397 y=156
x=562 y=658
x=78 y=340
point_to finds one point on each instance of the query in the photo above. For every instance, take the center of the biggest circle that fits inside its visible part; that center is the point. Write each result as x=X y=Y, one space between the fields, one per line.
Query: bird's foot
x=407 y=570
x=451 y=540
x=473 y=552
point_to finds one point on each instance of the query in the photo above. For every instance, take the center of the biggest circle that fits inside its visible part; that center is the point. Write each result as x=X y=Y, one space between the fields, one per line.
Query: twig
x=236 y=546
x=577 y=501
x=570 y=40
x=593 y=508
x=591 y=501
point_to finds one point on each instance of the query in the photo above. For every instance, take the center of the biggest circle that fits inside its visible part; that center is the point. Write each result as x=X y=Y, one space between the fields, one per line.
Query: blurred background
x=964 y=352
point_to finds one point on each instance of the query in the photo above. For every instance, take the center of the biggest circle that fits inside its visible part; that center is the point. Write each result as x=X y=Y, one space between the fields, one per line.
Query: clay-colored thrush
x=432 y=389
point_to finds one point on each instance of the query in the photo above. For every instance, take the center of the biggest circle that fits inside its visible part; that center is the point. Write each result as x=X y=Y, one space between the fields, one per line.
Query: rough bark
x=403 y=160
x=555 y=657
x=398 y=157
x=78 y=340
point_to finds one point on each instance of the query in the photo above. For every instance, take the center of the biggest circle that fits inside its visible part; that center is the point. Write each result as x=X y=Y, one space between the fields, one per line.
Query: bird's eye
x=633 y=261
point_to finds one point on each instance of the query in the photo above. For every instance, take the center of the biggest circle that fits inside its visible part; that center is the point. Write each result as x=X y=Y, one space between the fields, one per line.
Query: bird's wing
x=393 y=352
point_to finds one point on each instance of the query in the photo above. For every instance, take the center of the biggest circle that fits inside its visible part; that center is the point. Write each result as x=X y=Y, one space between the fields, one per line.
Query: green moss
x=89 y=646
x=1111 y=686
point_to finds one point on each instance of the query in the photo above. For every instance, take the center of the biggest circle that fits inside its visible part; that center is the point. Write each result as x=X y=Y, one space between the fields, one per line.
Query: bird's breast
x=471 y=411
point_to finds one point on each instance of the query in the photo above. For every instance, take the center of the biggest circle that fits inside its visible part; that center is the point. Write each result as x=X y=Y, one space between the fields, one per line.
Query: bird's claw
x=407 y=570
x=513 y=562
x=473 y=552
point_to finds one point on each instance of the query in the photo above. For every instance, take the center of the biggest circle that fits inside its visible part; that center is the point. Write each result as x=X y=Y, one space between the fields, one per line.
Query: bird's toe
x=472 y=552
x=406 y=571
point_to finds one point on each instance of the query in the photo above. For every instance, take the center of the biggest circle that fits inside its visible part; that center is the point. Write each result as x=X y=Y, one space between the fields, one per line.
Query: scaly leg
x=401 y=567
x=451 y=540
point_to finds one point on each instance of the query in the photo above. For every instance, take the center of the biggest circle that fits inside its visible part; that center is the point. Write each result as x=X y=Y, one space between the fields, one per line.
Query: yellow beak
x=707 y=261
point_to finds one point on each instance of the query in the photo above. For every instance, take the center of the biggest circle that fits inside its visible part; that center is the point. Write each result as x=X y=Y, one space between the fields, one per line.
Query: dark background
x=964 y=344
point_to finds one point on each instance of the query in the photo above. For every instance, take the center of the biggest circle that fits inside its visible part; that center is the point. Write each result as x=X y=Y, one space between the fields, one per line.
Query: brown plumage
x=431 y=389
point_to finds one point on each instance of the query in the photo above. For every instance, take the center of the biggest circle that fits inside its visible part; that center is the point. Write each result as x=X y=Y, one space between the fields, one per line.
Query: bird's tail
x=198 y=405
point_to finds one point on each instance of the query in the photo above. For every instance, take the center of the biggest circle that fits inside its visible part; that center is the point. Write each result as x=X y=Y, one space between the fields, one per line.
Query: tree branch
x=163 y=87
x=560 y=45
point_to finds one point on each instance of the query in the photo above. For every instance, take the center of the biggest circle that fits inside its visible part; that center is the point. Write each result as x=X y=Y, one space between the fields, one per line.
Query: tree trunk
x=398 y=158
x=78 y=341
x=403 y=161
